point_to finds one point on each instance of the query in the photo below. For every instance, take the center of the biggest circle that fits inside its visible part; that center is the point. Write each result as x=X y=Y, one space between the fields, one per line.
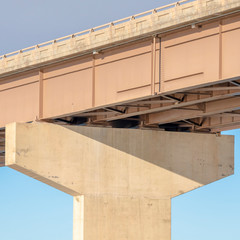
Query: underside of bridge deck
x=210 y=108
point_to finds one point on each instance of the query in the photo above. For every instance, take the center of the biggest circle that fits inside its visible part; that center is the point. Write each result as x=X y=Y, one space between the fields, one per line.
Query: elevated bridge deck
x=172 y=68
x=175 y=68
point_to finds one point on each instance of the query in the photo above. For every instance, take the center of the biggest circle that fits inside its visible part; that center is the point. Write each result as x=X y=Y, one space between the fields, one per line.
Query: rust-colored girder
x=181 y=72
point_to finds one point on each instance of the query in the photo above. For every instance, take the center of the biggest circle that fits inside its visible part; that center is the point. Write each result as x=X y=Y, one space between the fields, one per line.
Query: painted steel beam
x=210 y=108
x=195 y=58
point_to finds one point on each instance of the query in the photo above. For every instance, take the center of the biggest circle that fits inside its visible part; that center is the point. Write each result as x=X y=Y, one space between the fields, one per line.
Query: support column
x=121 y=217
x=122 y=180
x=78 y=218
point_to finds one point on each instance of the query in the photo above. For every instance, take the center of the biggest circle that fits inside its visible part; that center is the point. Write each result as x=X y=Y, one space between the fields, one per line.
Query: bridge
x=127 y=115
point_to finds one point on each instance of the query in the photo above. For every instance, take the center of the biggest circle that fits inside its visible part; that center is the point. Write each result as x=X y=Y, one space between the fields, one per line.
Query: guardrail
x=89 y=31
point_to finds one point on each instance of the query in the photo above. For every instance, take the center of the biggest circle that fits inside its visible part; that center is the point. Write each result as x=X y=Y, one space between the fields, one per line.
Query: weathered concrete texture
x=122 y=217
x=122 y=180
x=116 y=33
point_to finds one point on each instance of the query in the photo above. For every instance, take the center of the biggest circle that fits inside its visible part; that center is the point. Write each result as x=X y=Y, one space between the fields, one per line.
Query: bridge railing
x=89 y=31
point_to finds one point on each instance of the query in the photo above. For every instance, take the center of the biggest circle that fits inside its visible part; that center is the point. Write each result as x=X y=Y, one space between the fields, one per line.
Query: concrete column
x=121 y=217
x=78 y=217
x=122 y=180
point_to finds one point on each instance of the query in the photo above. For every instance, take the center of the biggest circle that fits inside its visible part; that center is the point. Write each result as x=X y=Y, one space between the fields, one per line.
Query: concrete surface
x=132 y=28
x=122 y=180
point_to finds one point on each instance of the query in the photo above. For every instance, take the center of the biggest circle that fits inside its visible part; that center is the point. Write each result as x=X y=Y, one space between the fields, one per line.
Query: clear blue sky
x=30 y=207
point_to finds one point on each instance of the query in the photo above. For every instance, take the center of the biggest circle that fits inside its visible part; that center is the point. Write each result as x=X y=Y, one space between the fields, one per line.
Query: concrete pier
x=122 y=180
